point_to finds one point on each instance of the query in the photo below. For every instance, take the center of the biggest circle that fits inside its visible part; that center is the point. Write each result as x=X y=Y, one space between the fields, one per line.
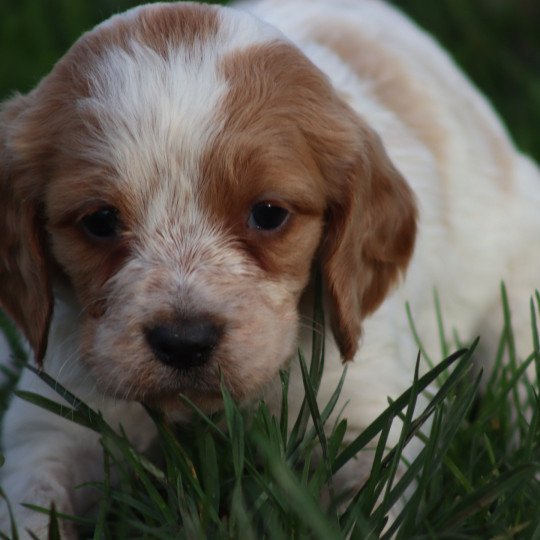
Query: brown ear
x=25 y=289
x=370 y=236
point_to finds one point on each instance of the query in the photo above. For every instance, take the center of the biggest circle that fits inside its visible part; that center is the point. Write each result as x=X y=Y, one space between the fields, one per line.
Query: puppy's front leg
x=48 y=457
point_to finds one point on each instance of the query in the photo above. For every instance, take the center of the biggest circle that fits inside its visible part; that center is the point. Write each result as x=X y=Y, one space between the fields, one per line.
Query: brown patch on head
x=261 y=154
x=392 y=81
x=287 y=136
x=412 y=89
x=158 y=27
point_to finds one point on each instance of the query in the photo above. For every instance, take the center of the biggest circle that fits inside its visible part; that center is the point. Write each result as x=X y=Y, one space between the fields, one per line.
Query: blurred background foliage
x=497 y=42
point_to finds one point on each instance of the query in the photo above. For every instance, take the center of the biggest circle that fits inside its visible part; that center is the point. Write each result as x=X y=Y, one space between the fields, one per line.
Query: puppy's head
x=181 y=170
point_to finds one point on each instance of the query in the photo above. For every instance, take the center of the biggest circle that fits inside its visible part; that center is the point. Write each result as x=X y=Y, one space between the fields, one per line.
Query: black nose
x=185 y=344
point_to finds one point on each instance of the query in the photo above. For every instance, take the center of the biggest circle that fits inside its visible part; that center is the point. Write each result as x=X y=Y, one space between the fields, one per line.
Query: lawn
x=248 y=475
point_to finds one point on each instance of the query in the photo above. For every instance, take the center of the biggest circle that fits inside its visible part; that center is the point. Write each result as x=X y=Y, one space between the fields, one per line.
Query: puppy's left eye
x=104 y=224
x=267 y=216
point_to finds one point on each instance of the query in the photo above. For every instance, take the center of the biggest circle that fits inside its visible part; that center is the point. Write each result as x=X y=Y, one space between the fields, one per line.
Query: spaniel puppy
x=167 y=190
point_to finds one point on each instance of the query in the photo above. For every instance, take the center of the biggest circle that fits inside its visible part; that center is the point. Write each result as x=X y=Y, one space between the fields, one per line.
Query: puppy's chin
x=175 y=392
x=200 y=387
x=180 y=406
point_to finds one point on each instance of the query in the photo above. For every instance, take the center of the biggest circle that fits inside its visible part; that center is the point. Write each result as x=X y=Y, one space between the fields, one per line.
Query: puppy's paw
x=28 y=522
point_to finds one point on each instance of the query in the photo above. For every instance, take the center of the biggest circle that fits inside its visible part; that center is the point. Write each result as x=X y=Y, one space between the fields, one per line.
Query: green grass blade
x=506 y=388
x=284 y=413
x=240 y=521
x=507 y=315
x=210 y=472
x=104 y=501
x=61 y=410
x=54 y=528
x=303 y=504
x=445 y=352
x=315 y=415
x=417 y=338
x=83 y=414
x=484 y=496
x=83 y=521
x=393 y=410
x=404 y=437
x=536 y=338
x=13 y=338
x=316 y=367
x=13 y=525
x=201 y=415
x=235 y=424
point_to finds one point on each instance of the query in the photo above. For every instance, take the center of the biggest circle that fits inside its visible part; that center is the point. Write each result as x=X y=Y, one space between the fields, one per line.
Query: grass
x=248 y=474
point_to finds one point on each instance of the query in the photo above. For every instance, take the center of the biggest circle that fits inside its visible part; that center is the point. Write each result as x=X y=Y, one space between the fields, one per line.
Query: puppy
x=167 y=190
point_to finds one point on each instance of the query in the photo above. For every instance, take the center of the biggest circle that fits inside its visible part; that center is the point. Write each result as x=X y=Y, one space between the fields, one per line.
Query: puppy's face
x=181 y=170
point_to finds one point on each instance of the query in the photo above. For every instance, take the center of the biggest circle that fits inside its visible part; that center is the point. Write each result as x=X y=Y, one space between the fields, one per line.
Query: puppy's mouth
x=186 y=402
x=181 y=383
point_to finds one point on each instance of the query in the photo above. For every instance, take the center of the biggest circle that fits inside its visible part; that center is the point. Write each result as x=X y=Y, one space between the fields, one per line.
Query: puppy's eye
x=104 y=224
x=267 y=216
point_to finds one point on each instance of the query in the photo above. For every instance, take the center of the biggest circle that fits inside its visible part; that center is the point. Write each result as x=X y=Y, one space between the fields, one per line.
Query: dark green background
x=496 y=41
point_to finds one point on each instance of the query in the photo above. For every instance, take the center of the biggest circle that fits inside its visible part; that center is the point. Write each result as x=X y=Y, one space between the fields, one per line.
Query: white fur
x=475 y=229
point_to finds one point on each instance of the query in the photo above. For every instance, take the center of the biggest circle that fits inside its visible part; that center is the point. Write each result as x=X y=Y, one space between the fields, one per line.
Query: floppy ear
x=25 y=288
x=371 y=229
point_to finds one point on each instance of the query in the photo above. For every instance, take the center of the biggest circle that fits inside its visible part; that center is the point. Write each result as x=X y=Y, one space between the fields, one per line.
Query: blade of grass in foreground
x=536 y=338
x=79 y=412
x=305 y=507
x=394 y=457
x=393 y=410
x=485 y=495
x=316 y=368
x=14 y=532
x=450 y=415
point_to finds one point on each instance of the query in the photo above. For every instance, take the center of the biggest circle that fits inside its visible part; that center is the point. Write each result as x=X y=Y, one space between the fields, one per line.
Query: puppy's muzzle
x=184 y=344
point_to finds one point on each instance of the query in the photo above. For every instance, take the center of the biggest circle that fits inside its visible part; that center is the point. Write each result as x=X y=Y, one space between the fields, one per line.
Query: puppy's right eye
x=267 y=216
x=103 y=224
